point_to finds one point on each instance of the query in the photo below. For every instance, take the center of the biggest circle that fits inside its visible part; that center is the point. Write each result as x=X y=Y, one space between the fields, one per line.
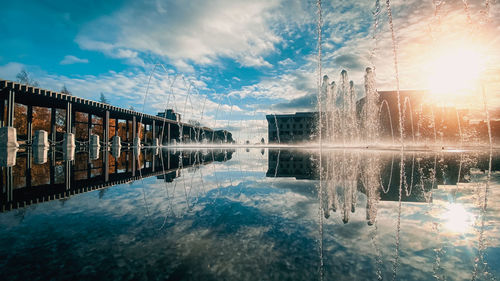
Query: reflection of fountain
x=348 y=173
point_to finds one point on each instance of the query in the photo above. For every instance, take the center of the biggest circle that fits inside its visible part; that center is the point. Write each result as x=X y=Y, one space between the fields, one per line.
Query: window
x=81 y=126
x=97 y=128
x=112 y=127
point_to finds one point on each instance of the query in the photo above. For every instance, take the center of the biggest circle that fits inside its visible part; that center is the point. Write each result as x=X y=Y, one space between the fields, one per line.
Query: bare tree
x=65 y=90
x=24 y=77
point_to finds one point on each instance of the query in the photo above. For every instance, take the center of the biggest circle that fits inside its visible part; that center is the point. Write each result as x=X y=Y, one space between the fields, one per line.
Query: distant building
x=288 y=128
x=170 y=114
x=423 y=121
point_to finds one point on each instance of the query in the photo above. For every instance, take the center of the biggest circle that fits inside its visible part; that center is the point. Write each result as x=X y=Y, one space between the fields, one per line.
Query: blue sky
x=251 y=57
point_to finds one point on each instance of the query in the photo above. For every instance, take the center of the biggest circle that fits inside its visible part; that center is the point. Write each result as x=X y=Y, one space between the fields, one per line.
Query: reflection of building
x=292 y=163
x=375 y=174
x=425 y=171
x=29 y=183
x=223 y=136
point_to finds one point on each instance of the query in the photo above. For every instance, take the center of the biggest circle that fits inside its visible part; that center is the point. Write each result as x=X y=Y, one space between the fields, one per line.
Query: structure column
x=67 y=178
x=153 y=161
x=137 y=139
x=143 y=128
x=28 y=170
x=69 y=115
x=134 y=128
x=168 y=157
x=133 y=161
x=127 y=131
x=153 y=133
x=2 y=112
x=106 y=128
x=53 y=129
x=69 y=137
x=9 y=183
x=89 y=126
x=29 y=127
x=10 y=108
x=106 y=165
x=168 y=133
x=52 y=172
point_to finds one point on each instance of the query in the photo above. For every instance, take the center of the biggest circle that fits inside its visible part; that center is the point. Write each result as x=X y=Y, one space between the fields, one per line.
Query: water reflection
x=378 y=174
x=252 y=214
x=31 y=176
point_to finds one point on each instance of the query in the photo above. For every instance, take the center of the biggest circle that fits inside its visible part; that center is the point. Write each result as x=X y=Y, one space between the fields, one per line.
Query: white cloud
x=286 y=62
x=10 y=70
x=197 y=31
x=69 y=59
x=111 y=50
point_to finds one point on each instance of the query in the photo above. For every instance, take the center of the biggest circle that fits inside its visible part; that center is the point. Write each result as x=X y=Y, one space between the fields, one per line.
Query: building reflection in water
x=431 y=220
x=33 y=176
x=377 y=175
x=454 y=185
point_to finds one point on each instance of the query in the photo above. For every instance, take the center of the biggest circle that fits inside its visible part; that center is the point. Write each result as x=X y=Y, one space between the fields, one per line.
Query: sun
x=454 y=72
x=457 y=219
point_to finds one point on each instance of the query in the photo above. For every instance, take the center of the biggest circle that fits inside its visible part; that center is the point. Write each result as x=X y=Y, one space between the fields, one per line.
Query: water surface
x=251 y=214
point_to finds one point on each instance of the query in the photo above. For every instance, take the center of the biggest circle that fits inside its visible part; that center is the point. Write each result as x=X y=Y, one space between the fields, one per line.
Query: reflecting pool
x=250 y=214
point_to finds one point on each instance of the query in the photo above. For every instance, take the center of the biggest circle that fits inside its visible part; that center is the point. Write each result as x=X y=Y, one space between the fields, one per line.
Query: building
x=423 y=121
x=25 y=109
x=290 y=128
x=170 y=114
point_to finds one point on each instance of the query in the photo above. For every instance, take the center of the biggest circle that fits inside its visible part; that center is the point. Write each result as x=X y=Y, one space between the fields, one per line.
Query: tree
x=24 y=77
x=103 y=98
x=65 y=90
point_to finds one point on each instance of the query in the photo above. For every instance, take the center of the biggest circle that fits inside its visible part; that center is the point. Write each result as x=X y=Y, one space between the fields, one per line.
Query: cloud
x=275 y=37
x=127 y=54
x=69 y=59
x=304 y=103
x=199 y=31
x=286 y=62
x=9 y=70
x=348 y=61
x=282 y=87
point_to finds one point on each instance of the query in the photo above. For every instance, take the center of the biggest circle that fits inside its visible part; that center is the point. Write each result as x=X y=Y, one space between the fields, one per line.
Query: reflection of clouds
x=226 y=220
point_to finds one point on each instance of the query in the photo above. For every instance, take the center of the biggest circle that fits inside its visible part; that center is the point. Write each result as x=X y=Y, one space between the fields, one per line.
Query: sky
x=228 y=63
